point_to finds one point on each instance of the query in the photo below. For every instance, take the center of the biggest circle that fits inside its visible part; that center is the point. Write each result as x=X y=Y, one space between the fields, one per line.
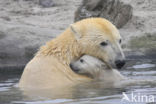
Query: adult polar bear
x=50 y=67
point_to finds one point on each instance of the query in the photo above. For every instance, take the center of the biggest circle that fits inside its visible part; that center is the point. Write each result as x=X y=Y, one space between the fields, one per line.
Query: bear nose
x=73 y=68
x=120 y=63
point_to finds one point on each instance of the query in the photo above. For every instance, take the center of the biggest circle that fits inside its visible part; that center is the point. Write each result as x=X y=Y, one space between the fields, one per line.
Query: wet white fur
x=96 y=69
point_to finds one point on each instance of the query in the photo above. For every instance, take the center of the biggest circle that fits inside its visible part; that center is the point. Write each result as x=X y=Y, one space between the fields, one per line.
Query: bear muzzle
x=120 y=63
x=75 y=69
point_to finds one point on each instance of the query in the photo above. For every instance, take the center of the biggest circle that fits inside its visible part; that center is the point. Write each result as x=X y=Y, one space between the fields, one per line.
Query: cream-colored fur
x=50 y=66
x=95 y=68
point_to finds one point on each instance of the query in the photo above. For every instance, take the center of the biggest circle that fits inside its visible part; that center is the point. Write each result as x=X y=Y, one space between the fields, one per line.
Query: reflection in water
x=142 y=80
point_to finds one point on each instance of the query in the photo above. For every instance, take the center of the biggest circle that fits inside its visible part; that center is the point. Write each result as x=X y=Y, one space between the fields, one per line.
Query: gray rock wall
x=116 y=11
x=25 y=25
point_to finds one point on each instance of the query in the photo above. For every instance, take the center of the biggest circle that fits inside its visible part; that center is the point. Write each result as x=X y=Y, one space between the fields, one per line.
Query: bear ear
x=75 y=32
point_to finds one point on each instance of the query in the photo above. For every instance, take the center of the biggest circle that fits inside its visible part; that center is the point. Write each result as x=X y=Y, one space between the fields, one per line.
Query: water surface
x=140 y=69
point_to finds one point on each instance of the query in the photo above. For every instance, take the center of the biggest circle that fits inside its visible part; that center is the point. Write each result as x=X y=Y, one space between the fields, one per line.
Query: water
x=94 y=93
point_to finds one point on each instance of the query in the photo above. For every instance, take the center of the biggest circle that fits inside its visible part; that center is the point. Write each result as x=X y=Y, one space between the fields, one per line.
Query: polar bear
x=96 y=69
x=50 y=66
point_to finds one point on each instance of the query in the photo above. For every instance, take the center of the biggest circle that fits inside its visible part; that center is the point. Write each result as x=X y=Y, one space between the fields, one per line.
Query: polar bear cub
x=96 y=69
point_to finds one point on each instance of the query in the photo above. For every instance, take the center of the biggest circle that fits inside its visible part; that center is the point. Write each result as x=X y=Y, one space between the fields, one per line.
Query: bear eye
x=81 y=60
x=103 y=43
x=120 y=41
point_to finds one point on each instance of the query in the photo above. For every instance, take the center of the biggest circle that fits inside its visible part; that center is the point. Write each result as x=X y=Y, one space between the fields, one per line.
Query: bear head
x=99 y=38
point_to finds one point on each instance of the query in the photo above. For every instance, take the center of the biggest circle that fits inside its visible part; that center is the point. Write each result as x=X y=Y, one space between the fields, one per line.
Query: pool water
x=94 y=93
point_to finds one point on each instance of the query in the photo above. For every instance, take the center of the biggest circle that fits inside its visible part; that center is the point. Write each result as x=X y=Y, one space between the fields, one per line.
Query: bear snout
x=75 y=69
x=120 y=63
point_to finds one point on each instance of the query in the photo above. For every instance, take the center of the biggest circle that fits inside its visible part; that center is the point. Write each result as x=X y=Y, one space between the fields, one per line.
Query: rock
x=116 y=11
x=25 y=26
x=19 y=43
x=46 y=3
x=137 y=32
